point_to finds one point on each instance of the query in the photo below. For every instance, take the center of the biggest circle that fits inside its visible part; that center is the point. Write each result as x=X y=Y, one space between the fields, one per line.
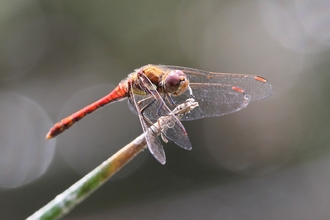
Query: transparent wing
x=255 y=86
x=174 y=131
x=154 y=145
x=218 y=93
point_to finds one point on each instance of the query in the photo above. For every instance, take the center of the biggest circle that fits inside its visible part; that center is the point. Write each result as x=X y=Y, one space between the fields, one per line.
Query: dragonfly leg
x=147 y=120
x=191 y=92
x=142 y=109
x=168 y=97
x=170 y=100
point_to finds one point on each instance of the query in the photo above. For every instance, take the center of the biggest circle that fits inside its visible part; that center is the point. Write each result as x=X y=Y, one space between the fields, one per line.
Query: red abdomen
x=119 y=93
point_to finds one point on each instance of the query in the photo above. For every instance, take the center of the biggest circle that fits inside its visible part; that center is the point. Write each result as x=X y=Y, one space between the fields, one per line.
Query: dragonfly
x=154 y=91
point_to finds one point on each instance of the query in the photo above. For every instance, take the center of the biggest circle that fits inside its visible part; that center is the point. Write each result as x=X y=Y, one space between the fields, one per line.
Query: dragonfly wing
x=218 y=93
x=174 y=130
x=213 y=99
x=177 y=134
x=154 y=145
x=255 y=86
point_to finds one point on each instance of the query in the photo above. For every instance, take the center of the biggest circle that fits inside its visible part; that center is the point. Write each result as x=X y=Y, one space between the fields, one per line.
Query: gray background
x=268 y=161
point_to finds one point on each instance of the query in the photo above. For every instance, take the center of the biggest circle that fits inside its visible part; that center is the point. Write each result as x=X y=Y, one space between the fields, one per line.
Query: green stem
x=78 y=192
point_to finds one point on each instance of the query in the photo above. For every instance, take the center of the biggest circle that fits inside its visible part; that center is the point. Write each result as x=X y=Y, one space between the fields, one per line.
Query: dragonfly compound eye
x=176 y=82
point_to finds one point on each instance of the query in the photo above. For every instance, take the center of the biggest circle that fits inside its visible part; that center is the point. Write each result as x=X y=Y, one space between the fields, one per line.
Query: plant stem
x=66 y=201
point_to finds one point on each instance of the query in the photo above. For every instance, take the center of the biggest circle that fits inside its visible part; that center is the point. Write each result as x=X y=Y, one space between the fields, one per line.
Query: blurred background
x=268 y=161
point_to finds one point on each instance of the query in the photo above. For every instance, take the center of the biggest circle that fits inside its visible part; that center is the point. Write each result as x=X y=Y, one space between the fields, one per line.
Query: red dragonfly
x=155 y=90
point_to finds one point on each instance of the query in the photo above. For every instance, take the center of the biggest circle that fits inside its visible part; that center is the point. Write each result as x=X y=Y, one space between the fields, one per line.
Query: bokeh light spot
x=24 y=152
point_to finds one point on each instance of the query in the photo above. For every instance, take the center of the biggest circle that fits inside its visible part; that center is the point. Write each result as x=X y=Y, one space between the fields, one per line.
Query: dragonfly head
x=176 y=82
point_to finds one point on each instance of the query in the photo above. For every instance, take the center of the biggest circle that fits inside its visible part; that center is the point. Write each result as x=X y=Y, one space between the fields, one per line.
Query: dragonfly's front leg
x=170 y=100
